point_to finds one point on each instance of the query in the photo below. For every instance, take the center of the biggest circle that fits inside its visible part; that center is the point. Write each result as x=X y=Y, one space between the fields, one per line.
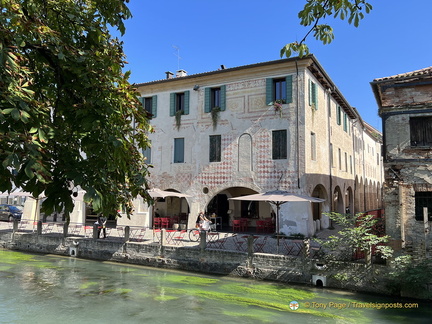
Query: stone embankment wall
x=278 y=268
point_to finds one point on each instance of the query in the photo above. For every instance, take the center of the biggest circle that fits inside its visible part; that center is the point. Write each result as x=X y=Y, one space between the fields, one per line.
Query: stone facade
x=331 y=153
x=405 y=105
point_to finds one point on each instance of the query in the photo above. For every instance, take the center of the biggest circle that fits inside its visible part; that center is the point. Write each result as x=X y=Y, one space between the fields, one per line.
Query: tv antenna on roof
x=177 y=53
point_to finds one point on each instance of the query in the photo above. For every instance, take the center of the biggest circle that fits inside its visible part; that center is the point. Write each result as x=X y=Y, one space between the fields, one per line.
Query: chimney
x=181 y=73
x=169 y=75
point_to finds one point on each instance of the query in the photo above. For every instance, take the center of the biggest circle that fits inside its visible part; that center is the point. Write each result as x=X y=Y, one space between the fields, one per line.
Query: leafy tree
x=316 y=11
x=358 y=232
x=410 y=275
x=68 y=115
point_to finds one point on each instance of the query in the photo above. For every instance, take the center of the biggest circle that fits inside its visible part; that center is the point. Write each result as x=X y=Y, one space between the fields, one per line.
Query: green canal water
x=53 y=289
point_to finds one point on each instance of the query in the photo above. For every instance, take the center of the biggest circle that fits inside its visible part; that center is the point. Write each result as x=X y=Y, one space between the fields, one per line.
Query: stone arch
x=318 y=208
x=220 y=204
x=338 y=203
x=349 y=201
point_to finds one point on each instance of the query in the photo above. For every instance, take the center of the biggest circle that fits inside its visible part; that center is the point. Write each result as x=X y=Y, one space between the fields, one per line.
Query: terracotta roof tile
x=418 y=73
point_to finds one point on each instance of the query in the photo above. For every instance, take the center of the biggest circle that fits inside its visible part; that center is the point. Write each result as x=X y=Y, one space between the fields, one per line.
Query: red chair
x=244 y=224
x=164 y=222
x=269 y=226
x=236 y=225
x=260 y=226
x=157 y=222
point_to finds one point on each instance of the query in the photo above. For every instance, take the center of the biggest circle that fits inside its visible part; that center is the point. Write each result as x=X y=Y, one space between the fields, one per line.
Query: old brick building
x=405 y=106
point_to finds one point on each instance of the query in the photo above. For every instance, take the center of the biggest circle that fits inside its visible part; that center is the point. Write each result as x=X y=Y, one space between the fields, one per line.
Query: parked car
x=10 y=212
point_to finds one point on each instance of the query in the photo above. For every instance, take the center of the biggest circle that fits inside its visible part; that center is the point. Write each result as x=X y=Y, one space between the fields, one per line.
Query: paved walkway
x=262 y=243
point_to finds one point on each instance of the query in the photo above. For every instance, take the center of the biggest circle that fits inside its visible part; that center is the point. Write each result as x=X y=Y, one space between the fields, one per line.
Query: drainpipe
x=364 y=171
x=330 y=151
x=297 y=126
x=353 y=212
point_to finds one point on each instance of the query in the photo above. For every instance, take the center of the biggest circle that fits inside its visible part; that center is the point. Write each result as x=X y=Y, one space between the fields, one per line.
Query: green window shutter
x=269 y=91
x=186 y=102
x=172 y=103
x=338 y=115
x=207 y=100
x=289 y=89
x=315 y=95
x=345 y=124
x=223 y=98
x=154 y=106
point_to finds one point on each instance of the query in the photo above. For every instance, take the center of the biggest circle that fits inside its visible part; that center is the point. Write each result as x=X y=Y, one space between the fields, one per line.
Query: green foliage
x=215 y=115
x=357 y=233
x=66 y=107
x=409 y=275
x=316 y=10
x=177 y=116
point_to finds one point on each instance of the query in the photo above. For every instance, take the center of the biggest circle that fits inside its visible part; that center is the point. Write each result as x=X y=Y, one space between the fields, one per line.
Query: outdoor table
x=259 y=245
x=179 y=237
x=238 y=243
x=169 y=235
x=212 y=239
x=298 y=246
x=47 y=227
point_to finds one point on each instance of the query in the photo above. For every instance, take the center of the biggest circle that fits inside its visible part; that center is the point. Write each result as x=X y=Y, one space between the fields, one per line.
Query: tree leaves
x=65 y=105
x=316 y=10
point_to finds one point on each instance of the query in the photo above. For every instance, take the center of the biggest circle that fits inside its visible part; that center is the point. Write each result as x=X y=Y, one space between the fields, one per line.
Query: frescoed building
x=274 y=125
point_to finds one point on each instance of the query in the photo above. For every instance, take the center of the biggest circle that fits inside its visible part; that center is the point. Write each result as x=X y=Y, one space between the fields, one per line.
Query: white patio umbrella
x=277 y=198
x=156 y=193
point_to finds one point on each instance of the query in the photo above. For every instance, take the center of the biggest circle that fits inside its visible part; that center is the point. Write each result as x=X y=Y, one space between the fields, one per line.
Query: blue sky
x=396 y=37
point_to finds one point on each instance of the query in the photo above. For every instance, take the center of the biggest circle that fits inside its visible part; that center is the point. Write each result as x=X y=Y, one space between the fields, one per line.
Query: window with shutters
x=345 y=122
x=150 y=105
x=339 y=115
x=279 y=144
x=179 y=105
x=178 y=150
x=215 y=148
x=215 y=97
x=313 y=95
x=421 y=131
x=179 y=101
x=279 y=89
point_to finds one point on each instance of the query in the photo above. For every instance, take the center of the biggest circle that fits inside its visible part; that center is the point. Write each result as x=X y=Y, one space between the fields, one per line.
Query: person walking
x=101 y=222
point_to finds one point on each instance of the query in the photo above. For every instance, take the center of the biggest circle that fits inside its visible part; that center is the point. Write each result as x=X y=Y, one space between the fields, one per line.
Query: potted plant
x=215 y=115
x=277 y=105
x=178 y=118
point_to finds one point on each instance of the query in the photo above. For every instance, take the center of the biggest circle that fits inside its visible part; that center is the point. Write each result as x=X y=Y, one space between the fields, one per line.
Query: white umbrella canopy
x=158 y=193
x=277 y=198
